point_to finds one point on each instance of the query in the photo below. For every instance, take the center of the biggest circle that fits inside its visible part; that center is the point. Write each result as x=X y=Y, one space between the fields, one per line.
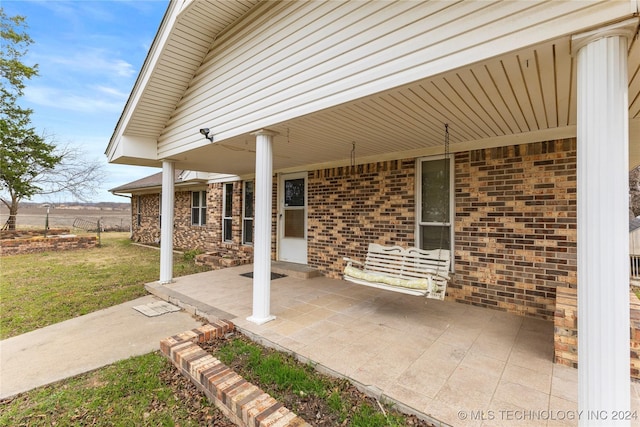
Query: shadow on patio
x=459 y=364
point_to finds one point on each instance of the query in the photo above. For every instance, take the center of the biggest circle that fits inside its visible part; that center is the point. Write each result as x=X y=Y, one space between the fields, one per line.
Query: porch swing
x=411 y=271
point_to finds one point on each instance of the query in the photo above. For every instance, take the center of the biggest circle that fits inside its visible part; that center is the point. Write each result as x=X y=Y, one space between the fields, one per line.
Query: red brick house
x=333 y=117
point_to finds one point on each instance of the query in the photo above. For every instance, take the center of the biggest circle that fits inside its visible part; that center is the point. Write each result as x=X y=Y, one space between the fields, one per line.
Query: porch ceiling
x=526 y=95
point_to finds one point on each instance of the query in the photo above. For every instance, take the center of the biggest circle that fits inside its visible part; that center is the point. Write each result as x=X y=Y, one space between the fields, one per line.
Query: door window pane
x=294 y=223
x=294 y=192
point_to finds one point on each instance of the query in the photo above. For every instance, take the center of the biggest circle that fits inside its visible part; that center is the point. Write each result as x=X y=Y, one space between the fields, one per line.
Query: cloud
x=88 y=102
x=96 y=61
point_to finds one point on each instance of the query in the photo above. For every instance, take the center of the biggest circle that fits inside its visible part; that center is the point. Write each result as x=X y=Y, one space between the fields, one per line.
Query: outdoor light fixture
x=207 y=134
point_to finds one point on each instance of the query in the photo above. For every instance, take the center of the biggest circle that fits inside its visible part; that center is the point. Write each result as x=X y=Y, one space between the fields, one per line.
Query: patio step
x=292 y=269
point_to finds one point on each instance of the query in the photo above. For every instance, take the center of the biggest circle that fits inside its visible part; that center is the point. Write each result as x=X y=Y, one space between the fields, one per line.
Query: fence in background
x=115 y=222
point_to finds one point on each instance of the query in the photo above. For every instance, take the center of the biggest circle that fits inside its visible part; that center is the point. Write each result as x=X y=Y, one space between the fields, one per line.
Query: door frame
x=302 y=251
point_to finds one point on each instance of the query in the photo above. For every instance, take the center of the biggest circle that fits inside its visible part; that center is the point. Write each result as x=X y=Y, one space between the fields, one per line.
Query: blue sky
x=89 y=54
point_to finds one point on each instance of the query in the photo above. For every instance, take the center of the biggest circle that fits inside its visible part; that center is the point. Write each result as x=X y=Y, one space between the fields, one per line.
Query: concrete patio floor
x=454 y=363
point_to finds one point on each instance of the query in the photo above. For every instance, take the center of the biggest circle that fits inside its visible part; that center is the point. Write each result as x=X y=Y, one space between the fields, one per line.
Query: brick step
x=242 y=402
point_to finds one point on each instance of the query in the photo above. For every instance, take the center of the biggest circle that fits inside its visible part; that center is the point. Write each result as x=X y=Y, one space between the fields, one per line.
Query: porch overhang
x=519 y=87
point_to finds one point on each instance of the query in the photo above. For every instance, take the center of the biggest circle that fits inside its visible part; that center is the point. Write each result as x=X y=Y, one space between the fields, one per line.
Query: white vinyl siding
x=295 y=58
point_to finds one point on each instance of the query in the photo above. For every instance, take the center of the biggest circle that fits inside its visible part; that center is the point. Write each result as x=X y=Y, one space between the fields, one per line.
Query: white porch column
x=262 y=235
x=603 y=237
x=166 y=228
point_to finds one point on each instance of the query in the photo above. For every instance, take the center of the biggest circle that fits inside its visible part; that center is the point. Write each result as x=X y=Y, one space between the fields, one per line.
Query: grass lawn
x=140 y=391
x=37 y=290
x=41 y=289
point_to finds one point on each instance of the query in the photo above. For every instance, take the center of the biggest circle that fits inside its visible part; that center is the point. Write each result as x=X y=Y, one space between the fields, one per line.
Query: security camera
x=206 y=133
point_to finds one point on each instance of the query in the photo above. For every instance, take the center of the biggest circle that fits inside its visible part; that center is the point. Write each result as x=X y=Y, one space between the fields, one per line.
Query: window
x=138 y=211
x=294 y=208
x=247 y=213
x=227 y=213
x=199 y=208
x=435 y=204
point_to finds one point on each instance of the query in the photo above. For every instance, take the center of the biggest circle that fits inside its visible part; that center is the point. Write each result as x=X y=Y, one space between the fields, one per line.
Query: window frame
x=418 y=210
x=248 y=219
x=226 y=187
x=139 y=210
x=201 y=208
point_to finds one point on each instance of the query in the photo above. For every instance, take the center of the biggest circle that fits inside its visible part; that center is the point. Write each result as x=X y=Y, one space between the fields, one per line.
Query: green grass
x=37 y=290
x=127 y=393
x=281 y=375
x=278 y=369
x=42 y=289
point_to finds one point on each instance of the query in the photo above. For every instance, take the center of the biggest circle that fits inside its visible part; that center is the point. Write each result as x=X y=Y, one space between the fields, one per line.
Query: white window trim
x=224 y=210
x=202 y=206
x=244 y=218
x=418 y=210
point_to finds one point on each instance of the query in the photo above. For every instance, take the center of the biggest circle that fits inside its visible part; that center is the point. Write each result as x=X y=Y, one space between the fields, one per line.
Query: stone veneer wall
x=149 y=229
x=349 y=208
x=54 y=243
x=515 y=228
x=185 y=235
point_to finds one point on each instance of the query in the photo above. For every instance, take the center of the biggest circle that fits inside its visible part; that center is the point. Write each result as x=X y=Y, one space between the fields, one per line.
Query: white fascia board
x=153 y=56
x=222 y=177
x=188 y=175
x=134 y=151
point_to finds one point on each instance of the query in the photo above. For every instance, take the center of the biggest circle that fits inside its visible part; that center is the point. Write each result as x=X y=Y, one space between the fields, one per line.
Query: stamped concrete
x=85 y=343
x=451 y=363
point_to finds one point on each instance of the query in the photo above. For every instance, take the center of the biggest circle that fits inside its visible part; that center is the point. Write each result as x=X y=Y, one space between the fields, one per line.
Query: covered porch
x=454 y=363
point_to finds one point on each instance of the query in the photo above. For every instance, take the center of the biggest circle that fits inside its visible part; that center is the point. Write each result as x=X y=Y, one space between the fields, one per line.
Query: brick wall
x=185 y=235
x=565 y=335
x=515 y=230
x=149 y=229
x=16 y=246
x=350 y=208
x=219 y=253
x=515 y=226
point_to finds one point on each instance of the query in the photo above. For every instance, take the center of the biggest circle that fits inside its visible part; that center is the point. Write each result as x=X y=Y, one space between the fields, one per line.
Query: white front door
x=292 y=218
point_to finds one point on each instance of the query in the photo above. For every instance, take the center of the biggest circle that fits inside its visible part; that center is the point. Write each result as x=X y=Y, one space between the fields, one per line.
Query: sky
x=89 y=54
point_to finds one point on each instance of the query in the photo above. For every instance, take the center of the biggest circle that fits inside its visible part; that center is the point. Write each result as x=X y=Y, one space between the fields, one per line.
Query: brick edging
x=242 y=402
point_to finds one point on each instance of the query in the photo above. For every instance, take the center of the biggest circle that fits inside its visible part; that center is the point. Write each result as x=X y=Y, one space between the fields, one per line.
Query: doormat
x=157 y=308
x=274 y=276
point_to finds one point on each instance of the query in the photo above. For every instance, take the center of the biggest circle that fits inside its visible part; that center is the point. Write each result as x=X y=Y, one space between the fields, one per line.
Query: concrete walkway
x=83 y=344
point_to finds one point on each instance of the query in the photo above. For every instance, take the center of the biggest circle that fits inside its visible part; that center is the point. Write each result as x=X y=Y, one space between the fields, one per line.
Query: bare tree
x=75 y=175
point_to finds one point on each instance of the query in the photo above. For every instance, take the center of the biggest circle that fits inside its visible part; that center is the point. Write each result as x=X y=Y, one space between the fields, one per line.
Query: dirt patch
x=200 y=410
